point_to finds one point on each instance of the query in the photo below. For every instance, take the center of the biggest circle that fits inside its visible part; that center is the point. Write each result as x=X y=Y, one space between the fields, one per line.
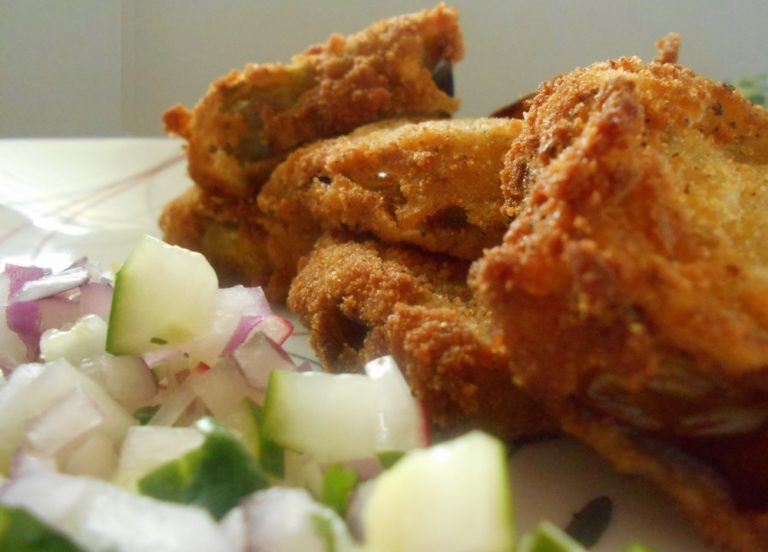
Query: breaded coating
x=433 y=184
x=242 y=245
x=249 y=120
x=430 y=183
x=362 y=299
x=633 y=282
x=228 y=232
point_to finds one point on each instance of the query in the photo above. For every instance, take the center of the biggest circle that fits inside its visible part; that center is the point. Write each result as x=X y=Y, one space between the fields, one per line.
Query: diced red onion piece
x=173 y=407
x=258 y=357
x=154 y=358
x=221 y=388
x=127 y=378
x=67 y=419
x=232 y=304
x=29 y=319
x=24 y=320
x=26 y=462
x=275 y=327
x=96 y=272
x=13 y=350
x=241 y=333
x=51 y=284
x=19 y=275
x=94 y=457
x=96 y=298
x=57 y=312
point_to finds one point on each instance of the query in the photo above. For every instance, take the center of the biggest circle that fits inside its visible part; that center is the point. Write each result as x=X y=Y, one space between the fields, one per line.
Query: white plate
x=63 y=199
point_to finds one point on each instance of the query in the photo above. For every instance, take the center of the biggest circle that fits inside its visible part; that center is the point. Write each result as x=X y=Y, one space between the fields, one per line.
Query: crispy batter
x=431 y=183
x=668 y=49
x=633 y=281
x=434 y=184
x=242 y=245
x=250 y=119
x=228 y=232
x=364 y=299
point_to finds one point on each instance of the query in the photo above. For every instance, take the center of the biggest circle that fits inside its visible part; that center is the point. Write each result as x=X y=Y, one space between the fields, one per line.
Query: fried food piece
x=242 y=245
x=225 y=230
x=364 y=299
x=249 y=120
x=433 y=184
x=632 y=285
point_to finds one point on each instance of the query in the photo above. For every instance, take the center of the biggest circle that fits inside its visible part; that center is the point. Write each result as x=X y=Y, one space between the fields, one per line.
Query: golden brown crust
x=242 y=245
x=637 y=246
x=229 y=233
x=433 y=184
x=668 y=49
x=363 y=299
x=441 y=190
x=632 y=284
x=250 y=119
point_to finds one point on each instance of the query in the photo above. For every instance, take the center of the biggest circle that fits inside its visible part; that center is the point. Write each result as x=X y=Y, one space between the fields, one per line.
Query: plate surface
x=64 y=199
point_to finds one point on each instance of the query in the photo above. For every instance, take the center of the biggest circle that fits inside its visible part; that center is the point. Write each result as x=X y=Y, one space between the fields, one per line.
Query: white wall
x=111 y=67
x=59 y=67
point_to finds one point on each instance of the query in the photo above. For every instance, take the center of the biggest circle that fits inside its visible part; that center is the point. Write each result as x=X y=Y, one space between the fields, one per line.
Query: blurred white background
x=112 y=67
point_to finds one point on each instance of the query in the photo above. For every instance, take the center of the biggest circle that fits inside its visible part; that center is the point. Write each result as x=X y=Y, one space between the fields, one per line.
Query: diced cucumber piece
x=146 y=448
x=163 y=295
x=246 y=422
x=549 y=538
x=337 y=417
x=452 y=497
x=214 y=476
x=339 y=482
x=22 y=532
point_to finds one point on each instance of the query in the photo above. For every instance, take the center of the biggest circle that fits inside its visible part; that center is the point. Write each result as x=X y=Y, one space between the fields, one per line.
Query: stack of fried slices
x=345 y=167
x=613 y=239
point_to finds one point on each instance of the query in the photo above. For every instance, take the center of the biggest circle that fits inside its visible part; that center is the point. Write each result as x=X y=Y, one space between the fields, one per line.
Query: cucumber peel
x=163 y=295
x=22 y=532
x=338 y=484
x=451 y=497
x=214 y=476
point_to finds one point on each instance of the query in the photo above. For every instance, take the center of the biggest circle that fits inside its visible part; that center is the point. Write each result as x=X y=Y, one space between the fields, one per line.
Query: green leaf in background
x=22 y=532
x=214 y=476
x=754 y=88
x=338 y=484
